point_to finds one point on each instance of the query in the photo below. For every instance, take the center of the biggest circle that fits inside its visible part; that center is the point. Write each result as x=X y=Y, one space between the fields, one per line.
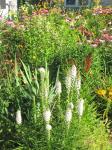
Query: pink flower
x=10 y=23
x=94 y=45
x=44 y=11
x=1 y=18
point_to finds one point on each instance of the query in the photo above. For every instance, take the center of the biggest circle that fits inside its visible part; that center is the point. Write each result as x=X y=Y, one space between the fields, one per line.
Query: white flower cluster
x=70 y=106
x=18 y=117
x=73 y=73
x=68 y=115
x=42 y=72
x=78 y=84
x=58 y=88
x=48 y=127
x=80 y=107
x=68 y=83
x=47 y=117
x=73 y=79
x=44 y=84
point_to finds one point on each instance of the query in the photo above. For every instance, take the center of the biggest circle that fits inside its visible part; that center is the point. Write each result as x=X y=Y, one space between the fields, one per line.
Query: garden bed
x=56 y=83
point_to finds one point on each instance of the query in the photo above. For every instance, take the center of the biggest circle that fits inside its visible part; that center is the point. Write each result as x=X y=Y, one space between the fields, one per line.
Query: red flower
x=88 y=62
x=107 y=37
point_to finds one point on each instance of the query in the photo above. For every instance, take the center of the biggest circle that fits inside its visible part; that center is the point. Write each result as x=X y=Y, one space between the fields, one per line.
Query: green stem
x=105 y=114
x=49 y=139
x=34 y=110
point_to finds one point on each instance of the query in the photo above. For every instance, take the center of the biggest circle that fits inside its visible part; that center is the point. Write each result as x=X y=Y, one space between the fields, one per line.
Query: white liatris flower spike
x=47 y=115
x=78 y=84
x=73 y=72
x=18 y=117
x=46 y=93
x=68 y=83
x=42 y=72
x=58 y=87
x=80 y=107
x=70 y=106
x=48 y=127
x=68 y=116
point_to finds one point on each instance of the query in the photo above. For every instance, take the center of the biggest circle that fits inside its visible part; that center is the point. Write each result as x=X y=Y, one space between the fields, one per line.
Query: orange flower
x=101 y=92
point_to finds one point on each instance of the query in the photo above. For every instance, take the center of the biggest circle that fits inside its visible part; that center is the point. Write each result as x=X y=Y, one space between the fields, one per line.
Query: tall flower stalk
x=70 y=81
x=47 y=95
x=78 y=85
x=80 y=107
x=68 y=114
x=42 y=78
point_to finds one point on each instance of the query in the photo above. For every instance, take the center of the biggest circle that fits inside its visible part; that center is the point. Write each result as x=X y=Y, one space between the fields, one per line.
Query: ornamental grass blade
x=16 y=73
x=28 y=75
x=36 y=80
x=24 y=77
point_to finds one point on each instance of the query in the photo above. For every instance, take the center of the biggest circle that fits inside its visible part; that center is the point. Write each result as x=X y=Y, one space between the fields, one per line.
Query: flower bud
x=18 y=117
x=73 y=72
x=58 y=87
x=68 y=116
x=70 y=106
x=47 y=115
x=48 y=127
x=42 y=72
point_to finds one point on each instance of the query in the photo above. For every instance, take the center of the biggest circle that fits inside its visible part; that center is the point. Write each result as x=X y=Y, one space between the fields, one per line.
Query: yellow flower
x=110 y=92
x=101 y=92
x=110 y=89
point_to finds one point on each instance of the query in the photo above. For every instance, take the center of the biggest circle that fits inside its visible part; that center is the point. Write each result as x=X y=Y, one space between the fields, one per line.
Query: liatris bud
x=68 y=83
x=58 y=87
x=68 y=116
x=73 y=72
x=42 y=72
x=70 y=106
x=80 y=107
x=18 y=117
x=47 y=115
x=48 y=127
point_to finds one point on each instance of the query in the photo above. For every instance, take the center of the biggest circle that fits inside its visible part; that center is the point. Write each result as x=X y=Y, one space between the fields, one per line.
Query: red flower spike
x=88 y=62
